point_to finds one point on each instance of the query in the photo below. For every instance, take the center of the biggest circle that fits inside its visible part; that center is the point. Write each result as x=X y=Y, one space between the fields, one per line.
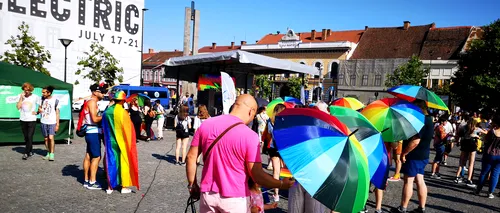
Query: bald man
x=234 y=158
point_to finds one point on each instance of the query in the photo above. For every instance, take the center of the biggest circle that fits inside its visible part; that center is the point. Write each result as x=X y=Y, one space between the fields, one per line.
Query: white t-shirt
x=28 y=106
x=197 y=122
x=184 y=123
x=48 y=115
x=160 y=109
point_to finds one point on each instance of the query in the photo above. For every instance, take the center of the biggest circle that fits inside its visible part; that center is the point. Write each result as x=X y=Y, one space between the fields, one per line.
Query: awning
x=239 y=64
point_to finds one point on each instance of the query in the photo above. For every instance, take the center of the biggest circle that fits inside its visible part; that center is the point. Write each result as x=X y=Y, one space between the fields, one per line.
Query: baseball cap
x=96 y=87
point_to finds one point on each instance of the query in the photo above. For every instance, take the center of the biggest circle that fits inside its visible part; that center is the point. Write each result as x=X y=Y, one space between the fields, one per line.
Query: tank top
x=92 y=127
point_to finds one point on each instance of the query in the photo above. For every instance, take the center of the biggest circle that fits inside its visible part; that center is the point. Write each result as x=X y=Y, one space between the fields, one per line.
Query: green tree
x=100 y=65
x=295 y=83
x=264 y=84
x=26 y=51
x=410 y=73
x=477 y=82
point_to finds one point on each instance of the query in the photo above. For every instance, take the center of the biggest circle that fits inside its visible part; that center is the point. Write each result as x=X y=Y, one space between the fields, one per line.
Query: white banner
x=302 y=95
x=228 y=92
x=116 y=24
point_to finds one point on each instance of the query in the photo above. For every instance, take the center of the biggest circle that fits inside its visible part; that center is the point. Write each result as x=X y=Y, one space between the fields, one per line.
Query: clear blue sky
x=223 y=21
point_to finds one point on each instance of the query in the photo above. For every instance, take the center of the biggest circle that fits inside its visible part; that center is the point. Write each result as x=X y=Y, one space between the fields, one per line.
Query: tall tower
x=190 y=44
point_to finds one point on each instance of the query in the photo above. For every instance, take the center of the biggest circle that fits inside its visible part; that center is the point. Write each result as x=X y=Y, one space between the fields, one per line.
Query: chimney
x=329 y=32
x=433 y=25
x=214 y=45
x=243 y=42
x=323 y=35
x=366 y=28
x=232 y=44
x=151 y=50
x=406 y=25
x=313 y=35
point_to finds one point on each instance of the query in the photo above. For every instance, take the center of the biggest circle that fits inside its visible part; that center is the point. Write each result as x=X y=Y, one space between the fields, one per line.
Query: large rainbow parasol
x=412 y=92
x=318 y=151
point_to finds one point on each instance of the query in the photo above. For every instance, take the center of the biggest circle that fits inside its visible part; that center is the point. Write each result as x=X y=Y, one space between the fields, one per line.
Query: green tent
x=12 y=75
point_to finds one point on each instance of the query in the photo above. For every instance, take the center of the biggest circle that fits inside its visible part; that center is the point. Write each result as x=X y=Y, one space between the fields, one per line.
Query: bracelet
x=281 y=184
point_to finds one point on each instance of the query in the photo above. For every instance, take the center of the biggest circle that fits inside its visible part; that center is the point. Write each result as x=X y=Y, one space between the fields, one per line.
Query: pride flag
x=210 y=81
x=122 y=166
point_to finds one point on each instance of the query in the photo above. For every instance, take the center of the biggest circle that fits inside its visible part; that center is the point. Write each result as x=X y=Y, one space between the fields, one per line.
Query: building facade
x=381 y=50
x=324 y=50
x=153 y=72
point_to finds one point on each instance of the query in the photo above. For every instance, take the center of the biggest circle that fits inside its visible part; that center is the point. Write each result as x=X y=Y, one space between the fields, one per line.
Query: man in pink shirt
x=230 y=162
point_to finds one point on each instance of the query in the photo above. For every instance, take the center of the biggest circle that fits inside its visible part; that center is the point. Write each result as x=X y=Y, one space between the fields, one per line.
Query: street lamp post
x=142 y=45
x=65 y=42
x=320 y=69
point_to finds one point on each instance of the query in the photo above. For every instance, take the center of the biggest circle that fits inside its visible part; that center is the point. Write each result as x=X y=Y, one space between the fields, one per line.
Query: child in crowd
x=257 y=200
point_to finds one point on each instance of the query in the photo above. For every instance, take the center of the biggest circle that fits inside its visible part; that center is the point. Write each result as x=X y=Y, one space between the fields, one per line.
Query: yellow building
x=323 y=50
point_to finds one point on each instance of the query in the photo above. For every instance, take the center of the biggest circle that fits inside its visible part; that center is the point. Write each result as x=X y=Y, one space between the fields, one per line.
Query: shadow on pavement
x=463 y=201
x=168 y=158
x=75 y=171
x=20 y=150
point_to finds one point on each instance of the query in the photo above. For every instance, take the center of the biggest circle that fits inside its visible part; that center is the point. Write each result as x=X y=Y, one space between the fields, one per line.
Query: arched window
x=334 y=70
x=318 y=65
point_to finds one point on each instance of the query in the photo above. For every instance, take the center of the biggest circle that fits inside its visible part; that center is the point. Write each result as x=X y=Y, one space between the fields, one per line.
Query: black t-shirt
x=422 y=151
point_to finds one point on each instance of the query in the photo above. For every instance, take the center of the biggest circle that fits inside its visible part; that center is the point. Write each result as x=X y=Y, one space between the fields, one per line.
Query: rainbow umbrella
x=140 y=98
x=411 y=93
x=318 y=151
x=397 y=119
x=371 y=141
x=348 y=102
x=272 y=104
x=293 y=100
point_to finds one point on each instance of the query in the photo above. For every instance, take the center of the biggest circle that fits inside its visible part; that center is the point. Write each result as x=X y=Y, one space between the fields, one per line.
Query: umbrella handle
x=354 y=132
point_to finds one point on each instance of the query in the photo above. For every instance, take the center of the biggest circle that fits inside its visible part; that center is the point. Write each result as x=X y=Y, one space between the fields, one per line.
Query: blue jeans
x=489 y=163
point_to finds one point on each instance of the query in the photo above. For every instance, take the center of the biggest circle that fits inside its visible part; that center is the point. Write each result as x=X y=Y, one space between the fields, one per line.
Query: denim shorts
x=439 y=153
x=48 y=129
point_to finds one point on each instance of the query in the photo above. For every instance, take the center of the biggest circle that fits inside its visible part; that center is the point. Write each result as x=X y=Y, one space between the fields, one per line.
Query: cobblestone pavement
x=36 y=185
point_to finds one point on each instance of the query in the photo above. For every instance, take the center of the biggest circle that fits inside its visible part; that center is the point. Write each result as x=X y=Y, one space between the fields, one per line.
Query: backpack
x=180 y=128
x=80 y=128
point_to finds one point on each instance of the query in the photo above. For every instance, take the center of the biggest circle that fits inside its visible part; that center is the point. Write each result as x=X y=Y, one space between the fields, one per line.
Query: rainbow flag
x=210 y=81
x=285 y=173
x=122 y=167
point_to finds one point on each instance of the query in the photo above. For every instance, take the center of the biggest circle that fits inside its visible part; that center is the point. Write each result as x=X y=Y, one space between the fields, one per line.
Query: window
x=352 y=80
x=319 y=66
x=378 y=80
x=287 y=75
x=334 y=70
x=435 y=83
x=365 y=80
x=341 y=79
x=423 y=83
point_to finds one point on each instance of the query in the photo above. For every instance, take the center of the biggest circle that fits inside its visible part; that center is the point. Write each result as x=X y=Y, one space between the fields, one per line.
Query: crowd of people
x=233 y=140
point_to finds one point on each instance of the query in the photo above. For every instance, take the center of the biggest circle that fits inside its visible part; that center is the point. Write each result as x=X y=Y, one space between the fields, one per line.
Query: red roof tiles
x=161 y=57
x=209 y=49
x=391 y=42
x=444 y=43
x=334 y=36
x=146 y=56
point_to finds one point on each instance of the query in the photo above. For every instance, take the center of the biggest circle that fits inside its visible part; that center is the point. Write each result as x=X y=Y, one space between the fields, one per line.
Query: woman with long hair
x=261 y=118
x=149 y=117
x=491 y=158
x=182 y=124
x=135 y=115
x=202 y=116
x=273 y=149
x=470 y=134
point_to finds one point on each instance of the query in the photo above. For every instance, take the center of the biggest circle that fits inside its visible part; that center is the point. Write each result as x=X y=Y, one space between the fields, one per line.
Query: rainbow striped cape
x=122 y=166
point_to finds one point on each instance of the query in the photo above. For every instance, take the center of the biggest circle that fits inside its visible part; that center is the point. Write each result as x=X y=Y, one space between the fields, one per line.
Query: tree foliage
x=295 y=83
x=477 y=82
x=26 y=51
x=410 y=73
x=100 y=65
x=264 y=84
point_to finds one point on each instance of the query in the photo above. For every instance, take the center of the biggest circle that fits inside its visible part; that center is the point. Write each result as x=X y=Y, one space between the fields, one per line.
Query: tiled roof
x=391 y=42
x=444 y=43
x=208 y=49
x=161 y=57
x=146 y=56
x=352 y=36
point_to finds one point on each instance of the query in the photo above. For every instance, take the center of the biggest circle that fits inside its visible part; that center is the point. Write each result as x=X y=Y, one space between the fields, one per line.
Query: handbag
x=81 y=129
x=197 y=195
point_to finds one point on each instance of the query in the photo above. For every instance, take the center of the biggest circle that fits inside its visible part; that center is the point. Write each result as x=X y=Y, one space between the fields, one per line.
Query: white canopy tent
x=239 y=64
